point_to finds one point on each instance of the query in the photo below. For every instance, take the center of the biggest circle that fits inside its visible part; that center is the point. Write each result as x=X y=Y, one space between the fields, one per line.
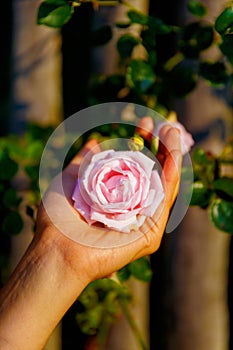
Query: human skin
x=55 y=270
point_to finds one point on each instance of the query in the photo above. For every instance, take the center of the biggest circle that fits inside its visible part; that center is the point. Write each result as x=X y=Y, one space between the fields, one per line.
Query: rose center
x=118 y=188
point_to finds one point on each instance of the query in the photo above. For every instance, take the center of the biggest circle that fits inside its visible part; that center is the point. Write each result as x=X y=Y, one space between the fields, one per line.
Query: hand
x=55 y=269
x=100 y=262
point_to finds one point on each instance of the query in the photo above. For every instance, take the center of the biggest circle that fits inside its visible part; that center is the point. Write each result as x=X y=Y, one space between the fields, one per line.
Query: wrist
x=40 y=291
x=65 y=258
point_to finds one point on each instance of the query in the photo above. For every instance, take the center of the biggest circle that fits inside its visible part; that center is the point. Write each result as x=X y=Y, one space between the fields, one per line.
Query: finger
x=170 y=179
x=167 y=142
x=172 y=164
x=145 y=128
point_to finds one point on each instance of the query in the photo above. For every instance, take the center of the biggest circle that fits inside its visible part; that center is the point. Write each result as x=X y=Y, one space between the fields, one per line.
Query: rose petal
x=119 y=225
x=155 y=197
x=81 y=205
x=118 y=189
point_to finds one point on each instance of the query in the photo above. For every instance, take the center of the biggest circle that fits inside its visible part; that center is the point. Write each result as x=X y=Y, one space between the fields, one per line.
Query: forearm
x=36 y=297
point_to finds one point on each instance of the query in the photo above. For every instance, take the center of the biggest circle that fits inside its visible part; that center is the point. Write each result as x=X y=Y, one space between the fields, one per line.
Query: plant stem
x=133 y=324
x=123 y=2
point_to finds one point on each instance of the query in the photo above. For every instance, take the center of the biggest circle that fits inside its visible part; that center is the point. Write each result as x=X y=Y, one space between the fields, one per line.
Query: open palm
x=101 y=250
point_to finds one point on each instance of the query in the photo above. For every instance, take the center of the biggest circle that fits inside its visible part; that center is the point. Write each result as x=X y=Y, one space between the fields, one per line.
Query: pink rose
x=186 y=138
x=119 y=189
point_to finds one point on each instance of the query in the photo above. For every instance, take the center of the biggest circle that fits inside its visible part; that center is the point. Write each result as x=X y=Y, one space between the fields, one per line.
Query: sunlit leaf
x=138 y=17
x=124 y=273
x=225 y=185
x=140 y=75
x=155 y=24
x=221 y=214
x=54 y=13
x=224 y=22
x=90 y=321
x=141 y=269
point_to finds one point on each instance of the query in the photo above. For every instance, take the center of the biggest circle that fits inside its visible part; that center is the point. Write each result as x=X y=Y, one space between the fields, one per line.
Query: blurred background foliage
x=158 y=64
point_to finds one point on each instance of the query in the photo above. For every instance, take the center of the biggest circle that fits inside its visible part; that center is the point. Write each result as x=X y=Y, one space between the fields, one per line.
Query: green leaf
x=205 y=166
x=196 y=38
x=158 y=26
x=90 y=321
x=201 y=194
x=138 y=17
x=122 y=25
x=226 y=46
x=148 y=39
x=200 y=156
x=101 y=36
x=225 y=185
x=224 y=22
x=10 y=198
x=140 y=76
x=37 y=132
x=34 y=150
x=182 y=80
x=141 y=269
x=54 y=13
x=32 y=171
x=8 y=167
x=124 y=273
x=214 y=73
x=12 y=224
x=221 y=214
x=155 y=24
x=126 y=44
x=197 y=8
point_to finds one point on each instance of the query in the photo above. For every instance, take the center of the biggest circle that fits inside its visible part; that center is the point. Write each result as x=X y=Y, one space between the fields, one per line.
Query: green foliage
x=226 y=47
x=201 y=194
x=224 y=22
x=19 y=157
x=153 y=23
x=12 y=223
x=212 y=190
x=196 y=37
x=214 y=73
x=140 y=76
x=54 y=13
x=205 y=166
x=8 y=166
x=182 y=80
x=197 y=8
x=224 y=186
x=126 y=44
x=221 y=213
x=139 y=269
x=149 y=81
x=101 y=302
